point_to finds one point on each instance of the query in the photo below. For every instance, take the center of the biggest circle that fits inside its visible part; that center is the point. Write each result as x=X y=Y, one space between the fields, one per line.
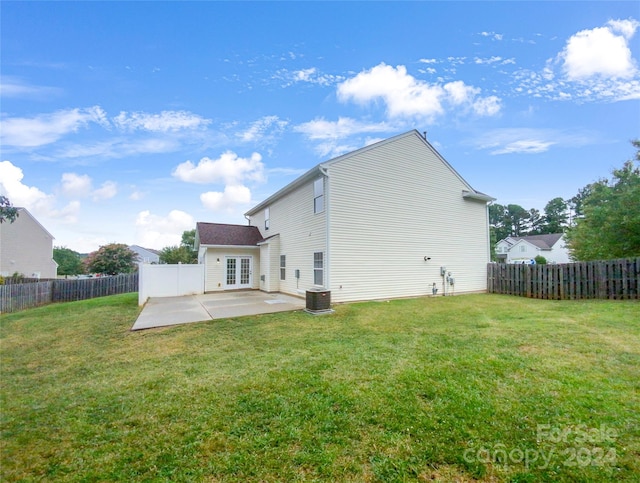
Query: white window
x=283 y=266
x=318 y=268
x=266 y=218
x=523 y=248
x=318 y=195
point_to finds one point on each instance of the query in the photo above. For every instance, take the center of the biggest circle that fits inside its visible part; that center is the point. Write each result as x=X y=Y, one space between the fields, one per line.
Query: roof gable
x=33 y=218
x=224 y=234
x=320 y=168
x=544 y=242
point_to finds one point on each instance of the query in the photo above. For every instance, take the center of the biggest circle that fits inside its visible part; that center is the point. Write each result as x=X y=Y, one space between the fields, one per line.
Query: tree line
x=116 y=258
x=602 y=221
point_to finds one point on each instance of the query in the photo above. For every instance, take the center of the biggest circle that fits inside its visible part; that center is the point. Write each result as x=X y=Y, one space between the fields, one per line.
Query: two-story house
x=523 y=249
x=392 y=219
x=26 y=248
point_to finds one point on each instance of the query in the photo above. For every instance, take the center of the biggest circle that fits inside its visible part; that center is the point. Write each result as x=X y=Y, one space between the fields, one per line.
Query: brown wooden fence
x=22 y=296
x=609 y=279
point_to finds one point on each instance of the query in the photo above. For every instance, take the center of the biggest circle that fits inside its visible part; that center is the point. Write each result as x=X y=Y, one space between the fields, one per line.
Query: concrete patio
x=167 y=311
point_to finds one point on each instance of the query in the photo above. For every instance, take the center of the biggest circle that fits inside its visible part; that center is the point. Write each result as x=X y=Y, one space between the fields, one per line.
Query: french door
x=238 y=272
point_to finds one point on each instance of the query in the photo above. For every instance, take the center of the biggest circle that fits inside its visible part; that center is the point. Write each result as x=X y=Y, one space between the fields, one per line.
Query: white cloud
x=331 y=133
x=310 y=75
x=406 y=96
x=20 y=194
x=264 y=128
x=48 y=128
x=344 y=127
x=402 y=94
x=155 y=231
x=531 y=141
x=229 y=169
x=166 y=121
x=14 y=87
x=39 y=203
x=76 y=185
x=492 y=35
x=526 y=146
x=108 y=190
x=118 y=148
x=595 y=65
x=487 y=106
x=233 y=197
x=602 y=51
x=81 y=186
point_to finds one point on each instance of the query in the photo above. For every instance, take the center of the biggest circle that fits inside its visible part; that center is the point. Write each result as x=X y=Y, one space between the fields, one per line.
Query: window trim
x=318 y=270
x=266 y=218
x=318 y=195
x=283 y=267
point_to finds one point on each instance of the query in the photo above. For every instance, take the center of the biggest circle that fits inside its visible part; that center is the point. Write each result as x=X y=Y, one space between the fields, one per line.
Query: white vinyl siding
x=301 y=233
x=26 y=247
x=215 y=266
x=392 y=206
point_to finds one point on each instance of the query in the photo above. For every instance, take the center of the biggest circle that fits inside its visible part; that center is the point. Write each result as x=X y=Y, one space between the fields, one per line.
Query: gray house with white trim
x=379 y=222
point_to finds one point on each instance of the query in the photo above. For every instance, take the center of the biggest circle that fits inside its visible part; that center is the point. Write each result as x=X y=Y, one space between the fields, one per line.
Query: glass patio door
x=238 y=273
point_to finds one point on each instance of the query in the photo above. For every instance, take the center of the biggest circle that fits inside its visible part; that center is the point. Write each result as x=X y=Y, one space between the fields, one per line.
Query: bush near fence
x=20 y=296
x=607 y=279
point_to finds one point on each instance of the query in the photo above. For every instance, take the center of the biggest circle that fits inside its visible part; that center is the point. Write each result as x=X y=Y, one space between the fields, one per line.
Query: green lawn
x=477 y=387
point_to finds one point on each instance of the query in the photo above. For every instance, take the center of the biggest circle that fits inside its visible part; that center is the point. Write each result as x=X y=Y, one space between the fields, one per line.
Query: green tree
x=69 y=262
x=516 y=219
x=189 y=239
x=112 y=259
x=497 y=221
x=536 y=222
x=555 y=216
x=7 y=211
x=610 y=225
x=177 y=254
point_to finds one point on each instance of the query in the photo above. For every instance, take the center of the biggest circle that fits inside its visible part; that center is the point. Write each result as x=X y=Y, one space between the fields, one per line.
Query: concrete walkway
x=166 y=311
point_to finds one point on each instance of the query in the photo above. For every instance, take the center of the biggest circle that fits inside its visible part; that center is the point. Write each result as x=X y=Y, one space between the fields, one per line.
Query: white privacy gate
x=170 y=281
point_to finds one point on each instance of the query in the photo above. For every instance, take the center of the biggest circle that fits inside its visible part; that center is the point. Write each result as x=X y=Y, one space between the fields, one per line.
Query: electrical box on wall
x=443 y=271
x=297 y=273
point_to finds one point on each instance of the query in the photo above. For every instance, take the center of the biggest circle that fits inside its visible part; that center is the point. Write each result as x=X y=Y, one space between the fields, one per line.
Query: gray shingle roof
x=223 y=234
x=541 y=241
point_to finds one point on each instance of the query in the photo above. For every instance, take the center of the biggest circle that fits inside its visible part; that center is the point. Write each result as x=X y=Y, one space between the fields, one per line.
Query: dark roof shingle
x=223 y=234
x=541 y=241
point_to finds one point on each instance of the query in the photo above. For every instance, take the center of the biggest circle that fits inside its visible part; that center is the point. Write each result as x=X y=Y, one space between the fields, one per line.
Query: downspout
x=327 y=271
x=248 y=219
x=489 y=248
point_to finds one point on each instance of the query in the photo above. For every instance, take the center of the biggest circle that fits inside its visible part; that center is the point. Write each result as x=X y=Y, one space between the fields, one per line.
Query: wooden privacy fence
x=22 y=296
x=609 y=279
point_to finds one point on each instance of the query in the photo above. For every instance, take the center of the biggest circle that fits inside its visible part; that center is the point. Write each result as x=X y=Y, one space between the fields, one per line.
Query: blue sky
x=129 y=122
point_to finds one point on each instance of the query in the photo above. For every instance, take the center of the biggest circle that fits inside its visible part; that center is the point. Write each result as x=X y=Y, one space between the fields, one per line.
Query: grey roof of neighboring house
x=133 y=247
x=541 y=241
x=223 y=234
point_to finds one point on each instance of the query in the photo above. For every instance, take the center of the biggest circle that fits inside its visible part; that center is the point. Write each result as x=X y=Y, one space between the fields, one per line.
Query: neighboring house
x=26 y=248
x=376 y=223
x=146 y=255
x=518 y=249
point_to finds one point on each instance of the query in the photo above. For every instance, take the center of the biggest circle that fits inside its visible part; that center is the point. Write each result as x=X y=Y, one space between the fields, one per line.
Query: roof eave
x=204 y=245
x=476 y=195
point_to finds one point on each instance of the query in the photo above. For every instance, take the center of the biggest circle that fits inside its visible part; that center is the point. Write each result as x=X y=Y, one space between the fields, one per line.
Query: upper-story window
x=266 y=218
x=318 y=195
x=523 y=248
